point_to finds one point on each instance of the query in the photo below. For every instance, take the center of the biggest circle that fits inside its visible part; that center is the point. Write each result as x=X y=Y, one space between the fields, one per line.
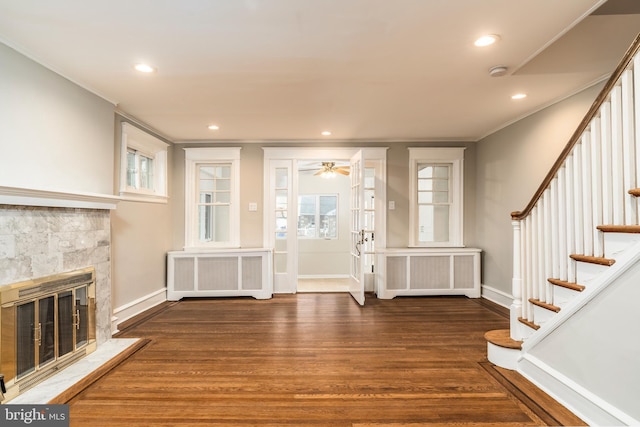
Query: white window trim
x=150 y=146
x=434 y=155
x=193 y=158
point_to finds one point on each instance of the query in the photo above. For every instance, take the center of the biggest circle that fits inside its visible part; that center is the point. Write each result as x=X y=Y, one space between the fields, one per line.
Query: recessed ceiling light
x=214 y=127
x=326 y=133
x=487 y=40
x=144 y=68
x=519 y=96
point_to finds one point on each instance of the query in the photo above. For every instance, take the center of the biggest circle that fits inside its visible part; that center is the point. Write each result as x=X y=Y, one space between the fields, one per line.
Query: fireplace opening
x=46 y=324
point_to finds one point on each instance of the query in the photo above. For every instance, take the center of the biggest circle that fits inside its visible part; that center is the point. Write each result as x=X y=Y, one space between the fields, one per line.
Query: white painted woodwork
x=220 y=273
x=429 y=271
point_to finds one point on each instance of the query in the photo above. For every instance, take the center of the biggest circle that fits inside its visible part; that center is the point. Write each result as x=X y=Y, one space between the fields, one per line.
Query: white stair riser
x=585 y=271
x=541 y=315
x=615 y=243
x=504 y=357
x=562 y=295
x=525 y=331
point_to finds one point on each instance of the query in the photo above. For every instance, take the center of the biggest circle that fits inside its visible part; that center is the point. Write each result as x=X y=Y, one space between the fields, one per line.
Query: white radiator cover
x=220 y=273
x=428 y=271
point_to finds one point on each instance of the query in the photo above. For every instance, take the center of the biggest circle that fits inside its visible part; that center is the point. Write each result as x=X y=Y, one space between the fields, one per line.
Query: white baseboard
x=132 y=309
x=496 y=295
x=582 y=402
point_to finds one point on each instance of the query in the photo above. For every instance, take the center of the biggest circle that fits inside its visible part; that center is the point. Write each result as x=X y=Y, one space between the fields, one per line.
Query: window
x=144 y=166
x=436 y=196
x=317 y=216
x=212 y=183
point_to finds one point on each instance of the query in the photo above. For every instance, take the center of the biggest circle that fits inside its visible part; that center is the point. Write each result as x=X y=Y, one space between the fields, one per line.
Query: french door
x=367 y=203
x=357 y=235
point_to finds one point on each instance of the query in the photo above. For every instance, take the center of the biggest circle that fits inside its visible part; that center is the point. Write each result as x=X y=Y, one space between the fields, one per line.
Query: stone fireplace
x=39 y=244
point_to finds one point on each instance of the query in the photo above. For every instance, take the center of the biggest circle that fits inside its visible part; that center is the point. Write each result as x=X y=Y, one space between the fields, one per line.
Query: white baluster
x=596 y=186
x=561 y=237
x=636 y=133
x=618 y=171
x=570 y=217
x=587 y=199
x=605 y=164
x=540 y=259
x=545 y=201
x=628 y=148
x=553 y=218
x=516 y=285
x=529 y=268
x=533 y=244
x=578 y=203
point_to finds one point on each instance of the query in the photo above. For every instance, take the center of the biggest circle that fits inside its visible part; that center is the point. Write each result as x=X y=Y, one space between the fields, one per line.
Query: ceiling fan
x=329 y=170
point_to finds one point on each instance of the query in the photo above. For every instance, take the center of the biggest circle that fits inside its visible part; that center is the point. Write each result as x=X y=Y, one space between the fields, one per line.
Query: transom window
x=436 y=196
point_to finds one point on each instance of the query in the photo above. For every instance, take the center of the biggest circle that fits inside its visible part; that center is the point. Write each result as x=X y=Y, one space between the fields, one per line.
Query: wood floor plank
x=307 y=360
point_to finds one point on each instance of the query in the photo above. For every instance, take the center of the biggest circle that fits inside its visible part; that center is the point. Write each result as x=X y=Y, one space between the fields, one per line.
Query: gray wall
x=511 y=165
x=251 y=177
x=140 y=238
x=54 y=135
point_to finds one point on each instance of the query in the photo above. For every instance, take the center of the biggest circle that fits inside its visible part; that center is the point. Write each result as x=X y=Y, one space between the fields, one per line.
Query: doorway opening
x=323 y=225
x=308 y=216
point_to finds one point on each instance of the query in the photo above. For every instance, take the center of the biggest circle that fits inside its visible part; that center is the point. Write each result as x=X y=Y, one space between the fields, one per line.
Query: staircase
x=580 y=230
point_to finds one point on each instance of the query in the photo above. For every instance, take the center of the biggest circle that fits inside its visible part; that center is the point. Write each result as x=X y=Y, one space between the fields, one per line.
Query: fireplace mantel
x=60 y=199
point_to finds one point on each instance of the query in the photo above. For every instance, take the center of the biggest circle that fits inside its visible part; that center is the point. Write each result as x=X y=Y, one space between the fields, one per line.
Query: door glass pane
x=281 y=178
x=280 y=263
x=82 y=316
x=46 y=318
x=25 y=345
x=65 y=323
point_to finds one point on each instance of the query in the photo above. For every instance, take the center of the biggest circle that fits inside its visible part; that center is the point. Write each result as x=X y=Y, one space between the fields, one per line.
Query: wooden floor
x=310 y=360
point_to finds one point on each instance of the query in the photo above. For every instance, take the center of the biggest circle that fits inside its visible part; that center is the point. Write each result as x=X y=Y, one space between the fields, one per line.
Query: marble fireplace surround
x=44 y=233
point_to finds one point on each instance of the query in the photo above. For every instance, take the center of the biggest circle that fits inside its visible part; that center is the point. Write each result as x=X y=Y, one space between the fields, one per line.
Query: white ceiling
x=289 y=69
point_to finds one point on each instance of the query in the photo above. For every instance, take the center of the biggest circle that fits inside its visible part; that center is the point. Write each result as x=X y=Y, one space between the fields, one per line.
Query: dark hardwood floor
x=310 y=360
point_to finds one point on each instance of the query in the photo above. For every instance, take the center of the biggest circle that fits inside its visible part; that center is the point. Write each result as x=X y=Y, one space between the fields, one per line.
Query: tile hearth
x=52 y=387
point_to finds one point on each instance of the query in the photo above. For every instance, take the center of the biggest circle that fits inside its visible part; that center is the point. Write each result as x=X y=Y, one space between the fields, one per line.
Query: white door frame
x=377 y=156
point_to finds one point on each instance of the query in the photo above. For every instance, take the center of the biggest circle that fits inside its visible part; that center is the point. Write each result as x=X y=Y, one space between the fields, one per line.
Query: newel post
x=516 y=283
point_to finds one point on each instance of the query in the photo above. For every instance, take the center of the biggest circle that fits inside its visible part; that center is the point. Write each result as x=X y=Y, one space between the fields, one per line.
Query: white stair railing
x=587 y=186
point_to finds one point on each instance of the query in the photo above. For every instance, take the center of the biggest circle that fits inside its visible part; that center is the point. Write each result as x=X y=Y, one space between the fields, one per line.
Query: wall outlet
x=392 y=205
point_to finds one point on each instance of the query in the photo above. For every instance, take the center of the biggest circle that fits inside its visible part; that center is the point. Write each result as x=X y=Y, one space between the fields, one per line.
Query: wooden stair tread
x=568 y=285
x=502 y=338
x=619 y=228
x=593 y=259
x=528 y=323
x=544 y=305
x=635 y=192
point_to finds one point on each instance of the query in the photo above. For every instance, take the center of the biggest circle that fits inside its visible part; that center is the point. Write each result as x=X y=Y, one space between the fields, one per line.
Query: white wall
x=511 y=165
x=54 y=135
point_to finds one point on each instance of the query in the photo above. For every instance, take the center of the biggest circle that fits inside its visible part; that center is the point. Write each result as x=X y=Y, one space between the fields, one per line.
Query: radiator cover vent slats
x=220 y=273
